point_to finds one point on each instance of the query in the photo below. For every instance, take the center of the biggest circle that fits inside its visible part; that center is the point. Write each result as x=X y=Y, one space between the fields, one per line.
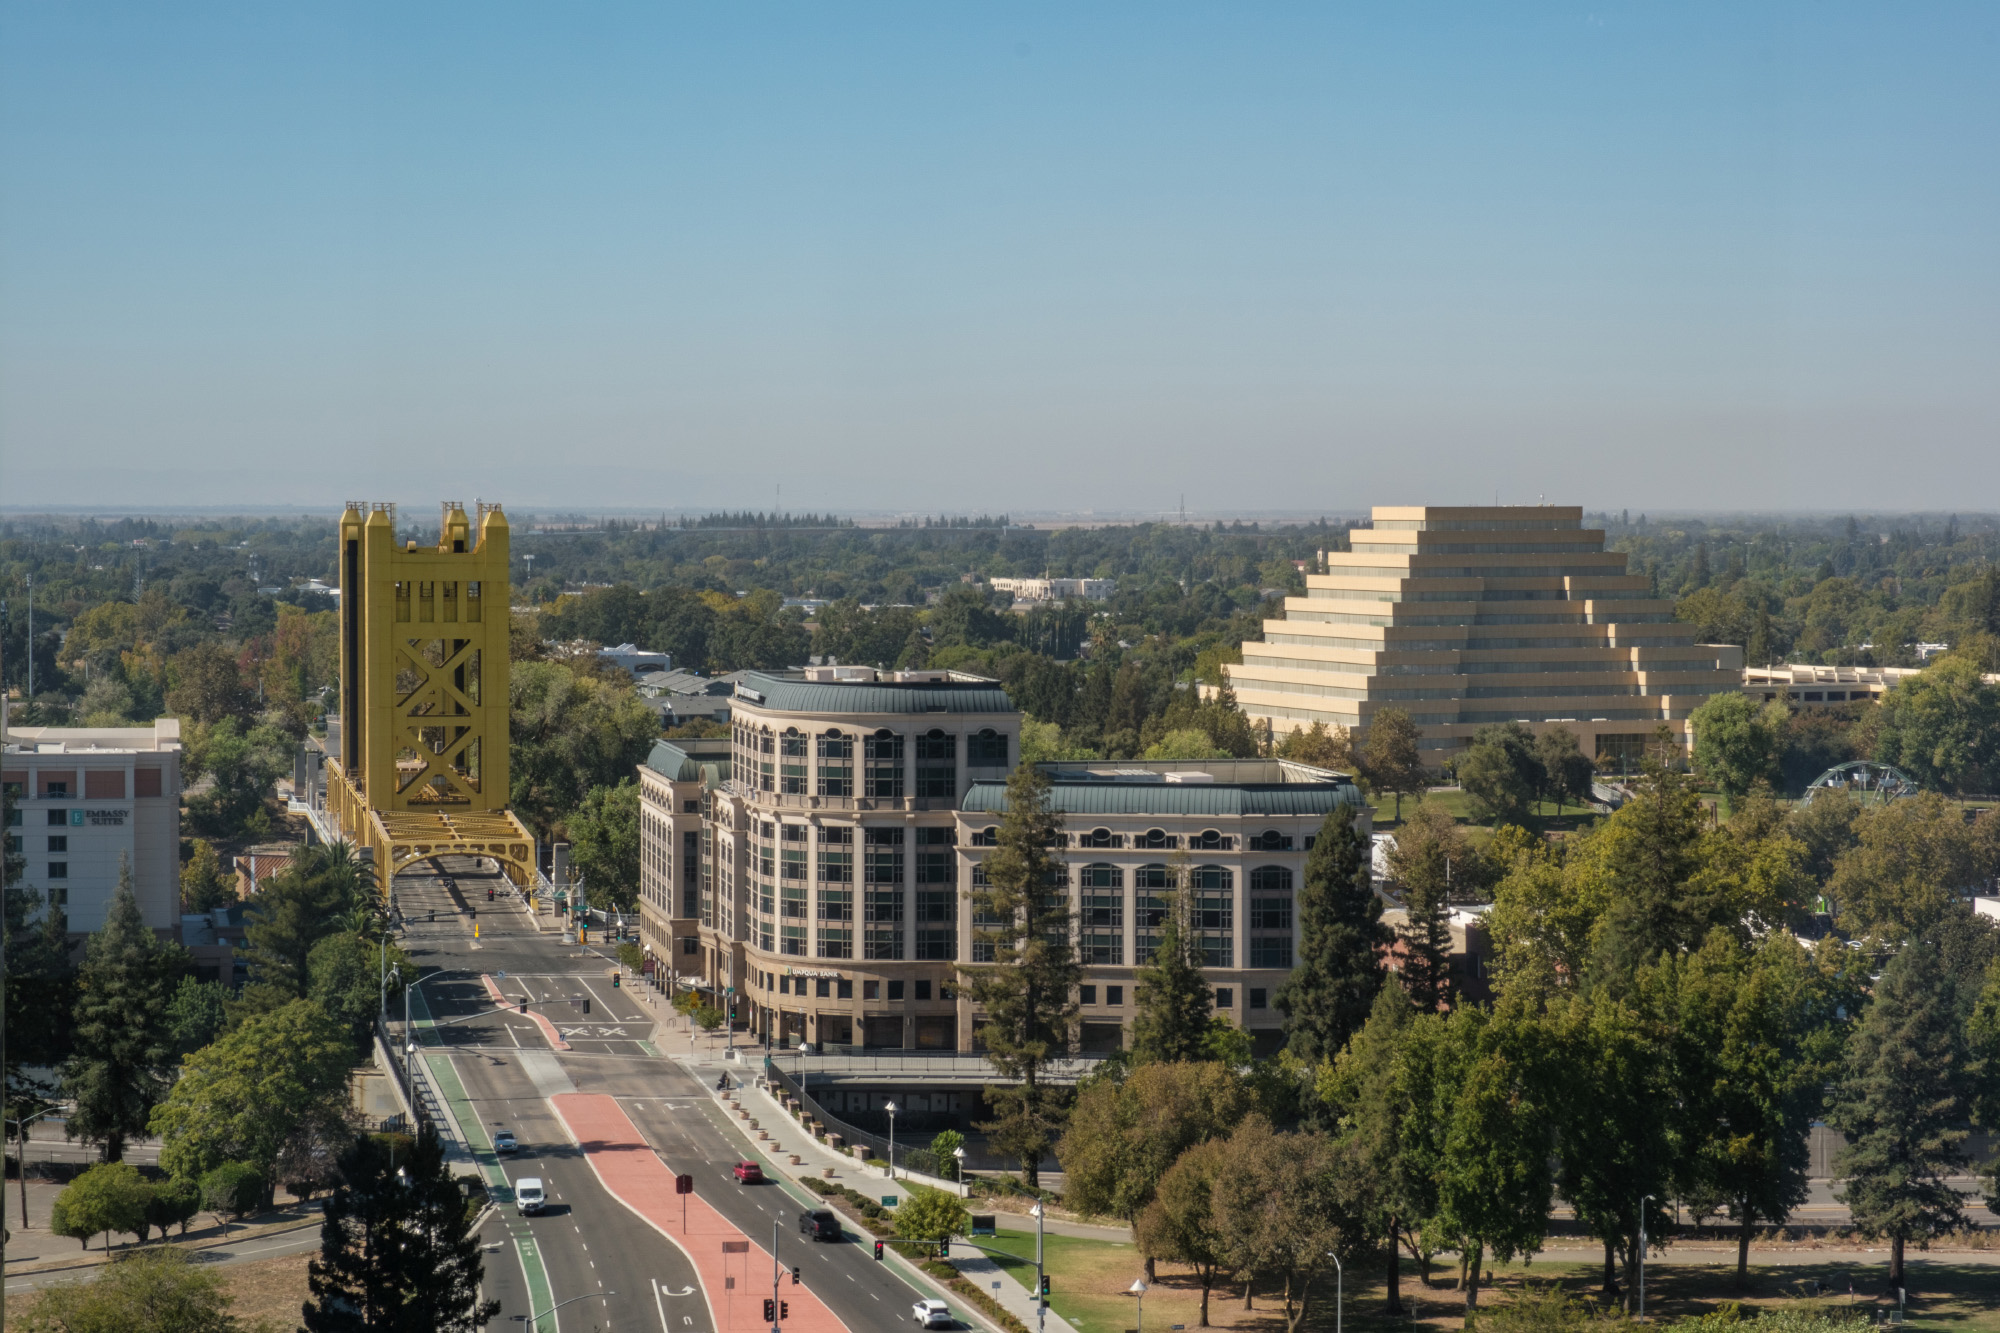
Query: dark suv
x=820 y=1224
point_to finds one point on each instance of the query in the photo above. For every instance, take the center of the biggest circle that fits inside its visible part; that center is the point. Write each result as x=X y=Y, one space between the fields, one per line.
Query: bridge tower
x=417 y=757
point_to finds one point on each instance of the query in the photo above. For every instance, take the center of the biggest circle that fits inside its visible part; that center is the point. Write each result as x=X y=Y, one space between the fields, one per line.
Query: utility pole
x=774 y=1274
x=1643 y=1201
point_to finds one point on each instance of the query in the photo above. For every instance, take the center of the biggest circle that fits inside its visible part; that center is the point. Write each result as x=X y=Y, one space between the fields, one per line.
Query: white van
x=528 y=1197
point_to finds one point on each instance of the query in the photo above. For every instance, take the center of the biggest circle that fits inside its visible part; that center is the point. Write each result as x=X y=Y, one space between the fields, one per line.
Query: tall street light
x=804 y=1051
x=891 y=1109
x=1138 y=1288
x=1339 y=1296
x=1041 y=1278
x=535 y=1320
x=1643 y=1201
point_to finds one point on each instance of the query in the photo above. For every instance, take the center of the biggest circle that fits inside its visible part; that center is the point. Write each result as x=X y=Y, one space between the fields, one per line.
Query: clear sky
x=971 y=256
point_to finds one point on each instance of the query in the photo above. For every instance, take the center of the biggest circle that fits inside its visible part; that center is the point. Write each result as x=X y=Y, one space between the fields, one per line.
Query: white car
x=528 y=1196
x=932 y=1314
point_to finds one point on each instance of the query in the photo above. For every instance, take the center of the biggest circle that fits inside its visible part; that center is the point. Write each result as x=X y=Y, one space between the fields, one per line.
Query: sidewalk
x=789 y=1137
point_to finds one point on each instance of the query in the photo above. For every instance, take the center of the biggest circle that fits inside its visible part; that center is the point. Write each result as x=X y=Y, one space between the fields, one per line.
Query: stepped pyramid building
x=1468 y=616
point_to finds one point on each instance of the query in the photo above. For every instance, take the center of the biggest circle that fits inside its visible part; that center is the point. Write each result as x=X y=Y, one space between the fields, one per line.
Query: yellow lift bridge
x=417 y=766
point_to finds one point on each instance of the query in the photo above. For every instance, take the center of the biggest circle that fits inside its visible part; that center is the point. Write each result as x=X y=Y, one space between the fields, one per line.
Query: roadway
x=498 y=1071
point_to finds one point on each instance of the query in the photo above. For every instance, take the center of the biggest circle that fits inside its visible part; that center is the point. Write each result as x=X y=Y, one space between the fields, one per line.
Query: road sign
x=683 y=1184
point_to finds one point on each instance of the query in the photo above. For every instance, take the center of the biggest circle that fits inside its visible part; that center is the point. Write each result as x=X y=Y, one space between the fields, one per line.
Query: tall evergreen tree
x=1651 y=849
x=1427 y=845
x=124 y=1035
x=1341 y=938
x=397 y=1250
x=1025 y=969
x=1364 y=1086
x=1176 y=1005
x=1903 y=1101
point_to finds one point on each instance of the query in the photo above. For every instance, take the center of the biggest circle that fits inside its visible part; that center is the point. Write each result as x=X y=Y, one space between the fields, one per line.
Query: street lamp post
x=958 y=1165
x=1041 y=1278
x=1138 y=1288
x=891 y=1109
x=1643 y=1201
x=804 y=1051
x=410 y=1045
x=22 y=1127
x=1339 y=1282
x=535 y=1320
x=774 y=1273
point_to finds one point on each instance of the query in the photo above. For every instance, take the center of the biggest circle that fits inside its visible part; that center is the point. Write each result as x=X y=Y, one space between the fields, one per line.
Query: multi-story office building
x=824 y=889
x=86 y=800
x=1468 y=616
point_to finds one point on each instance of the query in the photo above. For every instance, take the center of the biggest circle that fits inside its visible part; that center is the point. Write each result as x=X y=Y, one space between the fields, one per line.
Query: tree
x=1737 y=741
x=1318 y=746
x=1942 y=726
x=1390 y=759
x=1615 y=1142
x=1365 y=1087
x=1185 y=743
x=571 y=731
x=930 y=1214
x=244 y=764
x=1566 y=770
x=1903 y=1098
x=232 y=1188
x=1983 y=1046
x=1501 y=773
x=208 y=686
x=240 y=1098
x=40 y=983
x=173 y=1203
x=161 y=1290
x=345 y=979
x=397 y=1250
x=1341 y=938
x=1285 y=1201
x=1913 y=860
x=110 y=1196
x=1124 y=1135
x=1175 y=1002
x=1749 y=1059
x=204 y=886
x=1027 y=984
x=316 y=893
x=604 y=843
x=197 y=1014
x=1495 y=1103
x=124 y=1041
x=1180 y=1226
x=1428 y=847
x=1649 y=851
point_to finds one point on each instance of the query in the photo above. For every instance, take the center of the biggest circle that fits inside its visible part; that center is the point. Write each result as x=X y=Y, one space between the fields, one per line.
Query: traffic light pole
x=774 y=1274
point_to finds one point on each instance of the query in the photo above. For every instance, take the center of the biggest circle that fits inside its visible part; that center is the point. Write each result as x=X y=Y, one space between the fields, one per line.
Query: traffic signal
x=489 y=893
x=878 y=1251
x=586 y=1006
x=795 y=1275
x=784 y=1309
x=614 y=980
x=944 y=1249
x=1045 y=1284
x=770 y=1310
x=524 y=1004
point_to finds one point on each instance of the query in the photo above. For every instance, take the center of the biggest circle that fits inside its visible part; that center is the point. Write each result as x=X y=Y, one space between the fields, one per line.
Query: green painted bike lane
x=541 y=1295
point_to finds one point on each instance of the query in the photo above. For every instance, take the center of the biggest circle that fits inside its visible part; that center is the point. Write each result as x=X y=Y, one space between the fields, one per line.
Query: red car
x=749 y=1173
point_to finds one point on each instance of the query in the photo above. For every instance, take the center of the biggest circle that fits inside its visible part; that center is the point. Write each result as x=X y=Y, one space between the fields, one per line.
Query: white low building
x=86 y=799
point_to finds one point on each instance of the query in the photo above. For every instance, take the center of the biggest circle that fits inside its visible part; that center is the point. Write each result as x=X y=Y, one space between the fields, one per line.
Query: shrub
x=173 y=1203
x=235 y=1188
x=111 y=1196
x=149 y=1289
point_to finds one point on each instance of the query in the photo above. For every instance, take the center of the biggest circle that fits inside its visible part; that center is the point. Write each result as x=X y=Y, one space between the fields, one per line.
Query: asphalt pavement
x=495 y=1068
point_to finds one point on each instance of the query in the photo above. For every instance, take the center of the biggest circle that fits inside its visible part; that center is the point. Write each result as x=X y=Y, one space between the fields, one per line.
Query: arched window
x=1099 y=837
x=1100 y=876
x=883 y=779
x=1209 y=840
x=792 y=762
x=836 y=765
x=986 y=749
x=1156 y=839
x=1271 y=840
x=986 y=837
x=937 y=765
x=1271 y=879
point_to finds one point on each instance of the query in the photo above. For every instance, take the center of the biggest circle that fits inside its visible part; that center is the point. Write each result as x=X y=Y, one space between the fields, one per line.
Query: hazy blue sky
x=948 y=255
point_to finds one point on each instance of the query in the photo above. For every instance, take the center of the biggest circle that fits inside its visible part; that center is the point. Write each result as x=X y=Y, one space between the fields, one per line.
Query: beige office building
x=1464 y=617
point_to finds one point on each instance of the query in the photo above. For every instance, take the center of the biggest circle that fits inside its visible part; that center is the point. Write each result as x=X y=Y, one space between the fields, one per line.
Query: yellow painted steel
x=420 y=766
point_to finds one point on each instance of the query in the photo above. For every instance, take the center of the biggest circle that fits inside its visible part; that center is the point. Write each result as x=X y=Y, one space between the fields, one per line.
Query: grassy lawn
x=1089 y=1280
x=1459 y=806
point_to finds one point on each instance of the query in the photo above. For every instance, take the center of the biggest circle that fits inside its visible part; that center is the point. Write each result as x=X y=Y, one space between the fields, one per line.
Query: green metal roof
x=814 y=696
x=709 y=761
x=1148 y=798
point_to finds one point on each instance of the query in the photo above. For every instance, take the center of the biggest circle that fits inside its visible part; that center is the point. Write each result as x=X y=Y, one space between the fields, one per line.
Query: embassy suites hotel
x=1463 y=617
x=814 y=869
